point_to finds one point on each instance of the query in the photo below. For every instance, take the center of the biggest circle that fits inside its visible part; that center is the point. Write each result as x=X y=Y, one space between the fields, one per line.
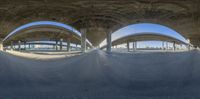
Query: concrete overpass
x=146 y=36
x=56 y=46
x=98 y=19
x=43 y=33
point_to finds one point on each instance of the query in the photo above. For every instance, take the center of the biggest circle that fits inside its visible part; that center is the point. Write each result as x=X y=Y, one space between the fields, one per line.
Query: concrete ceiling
x=102 y=16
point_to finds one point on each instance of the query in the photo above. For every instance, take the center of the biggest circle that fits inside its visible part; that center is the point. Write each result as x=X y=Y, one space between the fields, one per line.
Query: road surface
x=98 y=75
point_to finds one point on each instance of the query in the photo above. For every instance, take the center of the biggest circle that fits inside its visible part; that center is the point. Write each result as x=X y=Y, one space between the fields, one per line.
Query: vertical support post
x=25 y=45
x=29 y=46
x=83 y=40
x=163 y=45
x=1 y=45
x=174 y=46
x=109 y=42
x=68 y=44
x=11 y=45
x=19 y=45
x=61 y=41
x=135 y=45
x=128 y=47
x=14 y=46
x=189 y=48
x=167 y=46
x=76 y=47
x=56 y=45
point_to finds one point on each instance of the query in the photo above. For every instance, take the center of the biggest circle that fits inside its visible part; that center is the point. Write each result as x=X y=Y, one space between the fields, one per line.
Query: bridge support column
x=167 y=46
x=25 y=45
x=61 y=41
x=83 y=40
x=29 y=46
x=1 y=45
x=163 y=45
x=11 y=45
x=56 y=45
x=174 y=46
x=19 y=45
x=189 y=47
x=128 y=47
x=68 y=44
x=135 y=47
x=109 y=42
x=76 y=47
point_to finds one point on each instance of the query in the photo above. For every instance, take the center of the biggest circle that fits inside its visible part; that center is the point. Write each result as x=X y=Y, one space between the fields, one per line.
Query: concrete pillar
x=109 y=42
x=56 y=45
x=11 y=45
x=167 y=46
x=189 y=47
x=29 y=46
x=24 y=45
x=68 y=44
x=19 y=45
x=163 y=45
x=174 y=46
x=128 y=47
x=135 y=45
x=1 y=45
x=83 y=40
x=76 y=47
x=61 y=41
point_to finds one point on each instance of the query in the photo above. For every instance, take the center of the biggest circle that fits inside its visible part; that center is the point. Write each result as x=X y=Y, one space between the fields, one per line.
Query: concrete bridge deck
x=97 y=75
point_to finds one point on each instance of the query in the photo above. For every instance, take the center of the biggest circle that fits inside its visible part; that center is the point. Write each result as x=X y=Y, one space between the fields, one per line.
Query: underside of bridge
x=59 y=67
x=146 y=37
x=99 y=18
